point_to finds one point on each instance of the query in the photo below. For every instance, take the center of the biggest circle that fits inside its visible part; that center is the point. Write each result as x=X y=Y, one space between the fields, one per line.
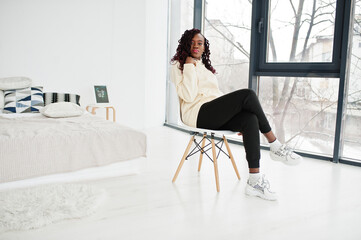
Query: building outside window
x=229 y=31
x=352 y=133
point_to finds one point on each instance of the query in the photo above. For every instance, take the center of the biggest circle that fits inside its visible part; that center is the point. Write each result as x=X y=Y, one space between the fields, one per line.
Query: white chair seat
x=204 y=130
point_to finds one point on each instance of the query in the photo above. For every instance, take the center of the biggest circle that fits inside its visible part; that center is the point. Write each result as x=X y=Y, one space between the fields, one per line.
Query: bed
x=33 y=145
x=46 y=136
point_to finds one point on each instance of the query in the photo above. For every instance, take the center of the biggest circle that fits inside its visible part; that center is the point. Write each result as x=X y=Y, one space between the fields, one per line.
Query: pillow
x=23 y=100
x=1 y=99
x=14 y=83
x=62 y=109
x=53 y=97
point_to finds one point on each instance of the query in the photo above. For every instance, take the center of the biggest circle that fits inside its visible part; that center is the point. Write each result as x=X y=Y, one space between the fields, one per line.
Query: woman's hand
x=191 y=60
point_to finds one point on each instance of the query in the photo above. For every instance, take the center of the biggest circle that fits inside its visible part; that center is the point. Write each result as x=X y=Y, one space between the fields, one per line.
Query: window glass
x=352 y=130
x=302 y=111
x=181 y=19
x=301 y=31
x=228 y=29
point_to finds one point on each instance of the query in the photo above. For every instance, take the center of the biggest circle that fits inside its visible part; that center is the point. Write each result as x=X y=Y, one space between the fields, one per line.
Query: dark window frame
x=304 y=69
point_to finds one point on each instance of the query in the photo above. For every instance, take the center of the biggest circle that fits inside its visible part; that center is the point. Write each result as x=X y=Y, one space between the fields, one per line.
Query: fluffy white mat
x=35 y=207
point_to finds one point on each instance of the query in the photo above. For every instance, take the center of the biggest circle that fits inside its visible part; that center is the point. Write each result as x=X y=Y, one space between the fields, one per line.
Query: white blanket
x=37 y=146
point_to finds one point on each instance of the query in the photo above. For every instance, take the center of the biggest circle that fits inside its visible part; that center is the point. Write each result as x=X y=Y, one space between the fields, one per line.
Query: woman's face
x=197 y=46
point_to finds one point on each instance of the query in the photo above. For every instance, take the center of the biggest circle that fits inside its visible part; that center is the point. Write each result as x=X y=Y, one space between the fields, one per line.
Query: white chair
x=200 y=146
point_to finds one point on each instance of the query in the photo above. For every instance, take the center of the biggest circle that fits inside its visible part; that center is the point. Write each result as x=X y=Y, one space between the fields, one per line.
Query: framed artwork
x=101 y=94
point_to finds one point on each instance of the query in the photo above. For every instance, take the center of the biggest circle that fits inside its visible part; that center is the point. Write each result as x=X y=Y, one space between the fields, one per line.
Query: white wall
x=156 y=61
x=72 y=45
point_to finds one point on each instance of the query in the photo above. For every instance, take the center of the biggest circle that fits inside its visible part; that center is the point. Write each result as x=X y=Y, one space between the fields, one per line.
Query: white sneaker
x=286 y=155
x=261 y=189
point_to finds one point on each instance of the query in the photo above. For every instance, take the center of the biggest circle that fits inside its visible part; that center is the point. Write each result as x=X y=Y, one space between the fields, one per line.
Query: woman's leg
x=247 y=123
x=237 y=111
x=270 y=136
x=241 y=111
x=216 y=113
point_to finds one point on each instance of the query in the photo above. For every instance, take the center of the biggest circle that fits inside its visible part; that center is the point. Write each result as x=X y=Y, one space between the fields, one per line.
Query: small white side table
x=93 y=107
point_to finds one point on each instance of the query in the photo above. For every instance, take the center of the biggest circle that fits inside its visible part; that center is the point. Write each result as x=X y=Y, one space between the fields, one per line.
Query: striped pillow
x=23 y=100
x=53 y=97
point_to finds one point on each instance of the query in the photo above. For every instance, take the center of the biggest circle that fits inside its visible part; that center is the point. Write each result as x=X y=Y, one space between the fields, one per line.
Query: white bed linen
x=122 y=168
x=19 y=115
x=37 y=145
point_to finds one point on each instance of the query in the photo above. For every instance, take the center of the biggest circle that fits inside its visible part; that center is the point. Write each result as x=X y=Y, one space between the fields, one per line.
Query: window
x=300 y=31
x=352 y=133
x=181 y=19
x=228 y=30
x=295 y=54
x=302 y=37
x=303 y=44
x=305 y=121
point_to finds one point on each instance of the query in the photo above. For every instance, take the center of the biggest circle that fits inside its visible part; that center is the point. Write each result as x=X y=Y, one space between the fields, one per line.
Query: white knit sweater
x=195 y=86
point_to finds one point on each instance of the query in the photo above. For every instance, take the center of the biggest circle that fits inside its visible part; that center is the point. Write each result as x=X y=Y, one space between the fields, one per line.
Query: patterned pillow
x=23 y=100
x=53 y=97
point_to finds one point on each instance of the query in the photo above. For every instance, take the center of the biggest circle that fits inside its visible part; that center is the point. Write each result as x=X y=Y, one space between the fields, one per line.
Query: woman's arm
x=186 y=83
x=191 y=60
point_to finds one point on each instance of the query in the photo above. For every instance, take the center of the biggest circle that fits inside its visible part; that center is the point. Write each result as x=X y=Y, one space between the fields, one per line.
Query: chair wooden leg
x=231 y=156
x=183 y=159
x=201 y=154
x=215 y=164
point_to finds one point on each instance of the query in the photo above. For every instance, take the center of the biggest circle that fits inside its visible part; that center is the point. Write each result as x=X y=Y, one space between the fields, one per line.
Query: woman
x=204 y=106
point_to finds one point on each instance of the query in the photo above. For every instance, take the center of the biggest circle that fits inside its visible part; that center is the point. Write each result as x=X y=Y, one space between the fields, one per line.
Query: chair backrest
x=178 y=101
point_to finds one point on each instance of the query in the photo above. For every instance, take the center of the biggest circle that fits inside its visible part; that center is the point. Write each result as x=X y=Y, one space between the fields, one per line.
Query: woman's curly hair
x=184 y=50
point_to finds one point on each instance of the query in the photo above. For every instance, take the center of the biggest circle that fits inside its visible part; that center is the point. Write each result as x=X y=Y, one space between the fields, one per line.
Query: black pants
x=239 y=111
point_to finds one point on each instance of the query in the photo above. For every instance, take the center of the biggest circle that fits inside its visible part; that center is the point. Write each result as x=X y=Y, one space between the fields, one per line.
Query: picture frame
x=101 y=94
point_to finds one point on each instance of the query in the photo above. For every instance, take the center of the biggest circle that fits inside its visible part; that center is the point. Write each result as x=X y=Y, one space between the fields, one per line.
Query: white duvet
x=37 y=145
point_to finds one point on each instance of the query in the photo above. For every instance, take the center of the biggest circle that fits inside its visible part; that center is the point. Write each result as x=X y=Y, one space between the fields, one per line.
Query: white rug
x=35 y=207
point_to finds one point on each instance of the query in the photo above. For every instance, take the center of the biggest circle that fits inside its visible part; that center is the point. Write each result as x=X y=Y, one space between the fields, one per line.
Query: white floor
x=317 y=200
